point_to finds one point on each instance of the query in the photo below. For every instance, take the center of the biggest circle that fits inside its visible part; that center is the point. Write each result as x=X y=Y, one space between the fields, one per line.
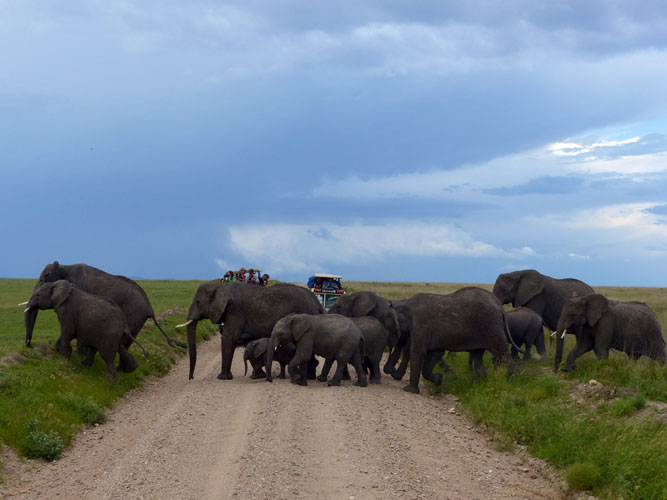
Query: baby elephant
x=526 y=328
x=327 y=335
x=257 y=351
x=602 y=324
x=96 y=322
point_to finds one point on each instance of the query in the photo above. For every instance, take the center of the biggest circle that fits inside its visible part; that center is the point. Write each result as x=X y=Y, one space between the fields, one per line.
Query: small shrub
x=582 y=476
x=42 y=445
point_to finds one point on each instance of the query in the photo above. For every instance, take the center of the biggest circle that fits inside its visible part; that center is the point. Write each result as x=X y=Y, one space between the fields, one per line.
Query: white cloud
x=299 y=247
x=575 y=149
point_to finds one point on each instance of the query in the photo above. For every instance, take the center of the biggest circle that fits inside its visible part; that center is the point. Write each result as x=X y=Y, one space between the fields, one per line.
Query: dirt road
x=247 y=439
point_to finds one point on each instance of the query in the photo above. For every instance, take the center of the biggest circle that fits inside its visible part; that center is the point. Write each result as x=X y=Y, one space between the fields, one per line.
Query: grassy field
x=613 y=443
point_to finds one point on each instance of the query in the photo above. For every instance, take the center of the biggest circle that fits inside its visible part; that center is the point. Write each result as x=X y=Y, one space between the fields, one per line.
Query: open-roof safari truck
x=327 y=288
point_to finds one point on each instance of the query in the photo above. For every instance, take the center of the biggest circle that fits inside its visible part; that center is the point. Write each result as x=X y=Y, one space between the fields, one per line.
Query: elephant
x=256 y=352
x=543 y=294
x=526 y=328
x=129 y=296
x=246 y=312
x=470 y=319
x=376 y=338
x=96 y=322
x=358 y=304
x=331 y=336
x=604 y=324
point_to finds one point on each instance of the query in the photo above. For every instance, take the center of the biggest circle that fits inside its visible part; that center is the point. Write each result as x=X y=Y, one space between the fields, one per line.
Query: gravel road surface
x=248 y=439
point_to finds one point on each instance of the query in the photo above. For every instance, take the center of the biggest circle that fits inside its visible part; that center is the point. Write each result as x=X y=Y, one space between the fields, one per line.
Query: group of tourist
x=252 y=277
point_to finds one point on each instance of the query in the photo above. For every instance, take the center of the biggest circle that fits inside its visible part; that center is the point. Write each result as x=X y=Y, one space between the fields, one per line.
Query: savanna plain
x=68 y=430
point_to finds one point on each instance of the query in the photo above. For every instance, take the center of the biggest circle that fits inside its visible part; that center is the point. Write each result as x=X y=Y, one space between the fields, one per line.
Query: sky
x=440 y=141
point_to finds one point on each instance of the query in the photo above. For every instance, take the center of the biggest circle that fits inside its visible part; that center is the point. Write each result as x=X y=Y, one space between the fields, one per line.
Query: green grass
x=44 y=399
x=604 y=446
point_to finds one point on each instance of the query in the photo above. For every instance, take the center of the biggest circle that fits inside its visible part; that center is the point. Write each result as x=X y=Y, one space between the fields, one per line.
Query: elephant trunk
x=192 y=346
x=30 y=318
x=273 y=343
x=245 y=362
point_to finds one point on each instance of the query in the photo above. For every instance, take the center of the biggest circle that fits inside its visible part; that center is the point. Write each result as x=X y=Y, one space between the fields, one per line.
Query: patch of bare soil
x=248 y=439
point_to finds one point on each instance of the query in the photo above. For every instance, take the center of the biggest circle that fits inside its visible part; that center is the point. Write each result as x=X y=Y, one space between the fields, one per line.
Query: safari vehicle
x=327 y=288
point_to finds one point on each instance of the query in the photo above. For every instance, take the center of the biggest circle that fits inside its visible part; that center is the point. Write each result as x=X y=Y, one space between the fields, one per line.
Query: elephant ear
x=363 y=304
x=299 y=325
x=259 y=348
x=60 y=291
x=596 y=305
x=530 y=285
x=218 y=301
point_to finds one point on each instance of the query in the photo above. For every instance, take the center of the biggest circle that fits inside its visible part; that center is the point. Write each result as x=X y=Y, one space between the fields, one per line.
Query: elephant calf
x=331 y=336
x=96 y=322
x=604 y=324
x=526 y=328
x=257 y=352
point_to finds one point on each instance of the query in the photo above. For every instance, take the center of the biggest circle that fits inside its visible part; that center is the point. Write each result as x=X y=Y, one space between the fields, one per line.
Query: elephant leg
x=346 y=373
x=417 y=355
x=527 y=346
x=227 y=346
x=257 y=371
x=109 y=359
x=584 y=344
x=324 y=374
x=312 y=368
x=602 y=351
x=376 y=375
x=338 y=374
x=302 y=379
x=403 y=366
x=539 y=343
x=90 y=357
x=282 y=369
x=430 y=360
x=361 y=373
x=126 y=362
x=298 y=366
x=477 y=357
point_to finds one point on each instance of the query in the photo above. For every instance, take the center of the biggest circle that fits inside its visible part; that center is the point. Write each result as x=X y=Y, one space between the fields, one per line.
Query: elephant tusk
x=552 y=333
x=185 y=324
x=563 y=335
x=24 y=303
x=27 y=309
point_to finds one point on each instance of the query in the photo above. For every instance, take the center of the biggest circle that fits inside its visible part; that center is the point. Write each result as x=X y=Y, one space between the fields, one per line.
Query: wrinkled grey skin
x=96 y=322
x=248 y=312
x=526 y=328
x=376 y=339
x=470 y=319
x=129 y=296
x=605 y=324
x=543 y=294
x=331 y=336
x=358 y=304
x=256 y=352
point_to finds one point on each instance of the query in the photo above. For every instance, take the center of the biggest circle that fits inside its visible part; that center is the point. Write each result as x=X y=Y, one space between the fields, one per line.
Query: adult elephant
x=605 y=324
x=543 y=294
x=246 y=311
x=363 y=303
x=470 y=319
x=129 y=296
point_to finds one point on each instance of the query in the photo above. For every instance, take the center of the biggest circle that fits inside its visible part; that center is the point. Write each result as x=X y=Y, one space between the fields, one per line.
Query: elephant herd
x=103 y=312
x=287 y=323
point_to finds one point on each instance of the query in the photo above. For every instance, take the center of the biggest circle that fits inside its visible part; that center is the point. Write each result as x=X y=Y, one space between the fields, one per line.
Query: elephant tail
x=129 y=334
x=169 y=340
x=508 y=334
